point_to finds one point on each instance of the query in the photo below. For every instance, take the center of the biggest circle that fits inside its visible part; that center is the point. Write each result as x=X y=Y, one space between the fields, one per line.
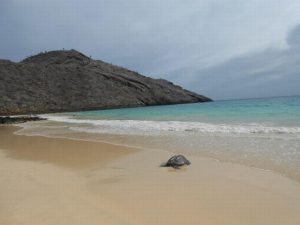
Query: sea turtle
x=176 y=161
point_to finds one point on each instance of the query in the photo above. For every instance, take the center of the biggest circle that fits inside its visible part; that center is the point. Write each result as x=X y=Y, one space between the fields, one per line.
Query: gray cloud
x=271 y=72
x=294 y=37
x=223 y=49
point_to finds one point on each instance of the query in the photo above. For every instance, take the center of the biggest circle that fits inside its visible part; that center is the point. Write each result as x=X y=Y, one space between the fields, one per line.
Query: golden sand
x=53 y=181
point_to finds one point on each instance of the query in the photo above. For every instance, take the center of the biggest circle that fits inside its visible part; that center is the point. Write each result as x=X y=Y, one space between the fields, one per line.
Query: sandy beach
x=57 y=181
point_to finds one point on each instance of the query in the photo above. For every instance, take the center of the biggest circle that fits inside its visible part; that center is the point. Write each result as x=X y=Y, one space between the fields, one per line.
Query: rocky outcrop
x=60 y=81
x=18 y=119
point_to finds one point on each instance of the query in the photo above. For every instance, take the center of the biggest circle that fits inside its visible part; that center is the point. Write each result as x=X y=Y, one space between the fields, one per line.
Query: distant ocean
x=263 y=133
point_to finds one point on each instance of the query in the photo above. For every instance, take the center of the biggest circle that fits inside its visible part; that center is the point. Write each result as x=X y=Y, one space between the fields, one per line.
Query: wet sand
x=56 y=181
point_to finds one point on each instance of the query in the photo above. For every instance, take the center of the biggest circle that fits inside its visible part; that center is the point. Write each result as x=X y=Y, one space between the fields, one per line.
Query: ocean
x=262 y=133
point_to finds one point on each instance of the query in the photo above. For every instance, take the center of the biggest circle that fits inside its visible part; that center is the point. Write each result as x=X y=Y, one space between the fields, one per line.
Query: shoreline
x=61 y=181
x=139 y=148
x=221 y=148
x=26 y=114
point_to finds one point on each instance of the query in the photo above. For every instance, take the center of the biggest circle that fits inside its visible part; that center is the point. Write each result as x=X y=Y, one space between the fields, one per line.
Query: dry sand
x=53 y=181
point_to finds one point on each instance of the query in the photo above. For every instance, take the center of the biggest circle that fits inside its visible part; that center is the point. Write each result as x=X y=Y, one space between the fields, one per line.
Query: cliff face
x=60 y=81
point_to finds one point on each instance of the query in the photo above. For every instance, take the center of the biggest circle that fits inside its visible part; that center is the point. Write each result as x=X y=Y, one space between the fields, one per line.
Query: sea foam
x=150 y=127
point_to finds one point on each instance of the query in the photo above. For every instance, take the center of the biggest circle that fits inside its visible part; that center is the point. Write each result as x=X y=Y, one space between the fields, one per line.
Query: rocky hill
x=60 y=81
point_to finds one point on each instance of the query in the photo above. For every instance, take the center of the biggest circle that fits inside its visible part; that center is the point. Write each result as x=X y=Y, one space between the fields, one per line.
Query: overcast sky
x=220 y=48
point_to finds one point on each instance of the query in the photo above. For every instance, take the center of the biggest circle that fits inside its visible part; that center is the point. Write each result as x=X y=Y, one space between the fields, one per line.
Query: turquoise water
x=263 y=133
x=276 y=111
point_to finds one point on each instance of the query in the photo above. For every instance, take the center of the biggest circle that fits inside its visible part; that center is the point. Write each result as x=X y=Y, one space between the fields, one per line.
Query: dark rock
x=60 y=81
x=18 y=119
x=177 y=161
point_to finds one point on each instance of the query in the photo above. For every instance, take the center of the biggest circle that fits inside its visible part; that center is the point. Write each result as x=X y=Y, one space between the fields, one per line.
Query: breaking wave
x=150 y=127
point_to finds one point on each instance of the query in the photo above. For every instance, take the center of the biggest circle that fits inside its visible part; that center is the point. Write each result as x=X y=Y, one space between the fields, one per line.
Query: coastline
x=62 y=181
x=251 y=150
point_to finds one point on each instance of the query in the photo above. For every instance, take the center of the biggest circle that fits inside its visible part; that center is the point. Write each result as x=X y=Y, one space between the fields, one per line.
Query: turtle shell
x=177 y=160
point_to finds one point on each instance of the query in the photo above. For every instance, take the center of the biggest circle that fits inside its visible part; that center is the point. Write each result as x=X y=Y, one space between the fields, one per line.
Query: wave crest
x=138 y=126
